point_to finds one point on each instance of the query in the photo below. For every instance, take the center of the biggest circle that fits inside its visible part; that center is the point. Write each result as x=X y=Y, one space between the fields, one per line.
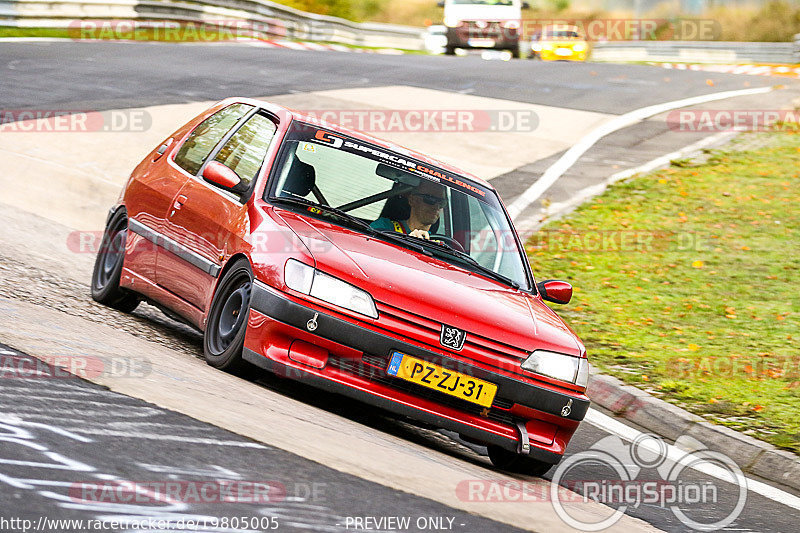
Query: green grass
x=184 y=34
x=6 y=31
x=160 y=35
x=686 y=285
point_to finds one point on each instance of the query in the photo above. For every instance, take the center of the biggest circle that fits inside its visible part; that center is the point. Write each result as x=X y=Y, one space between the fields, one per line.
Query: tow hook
x=524 y=444
x=311 y=325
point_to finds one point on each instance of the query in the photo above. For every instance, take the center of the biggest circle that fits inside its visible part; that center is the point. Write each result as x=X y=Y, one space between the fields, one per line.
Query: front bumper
x=355 y=367
x=494 y=37
x=554 y=55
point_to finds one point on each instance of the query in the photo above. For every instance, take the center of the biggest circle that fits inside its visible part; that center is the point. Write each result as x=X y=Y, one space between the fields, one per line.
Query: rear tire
x=108 y=267
x=223 y=338
x=449 y=50
x=518 y=463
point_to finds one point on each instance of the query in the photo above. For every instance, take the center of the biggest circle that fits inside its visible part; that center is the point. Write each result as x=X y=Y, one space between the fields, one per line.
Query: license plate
x=563 y=51
x=481 y=43
x=438 y=378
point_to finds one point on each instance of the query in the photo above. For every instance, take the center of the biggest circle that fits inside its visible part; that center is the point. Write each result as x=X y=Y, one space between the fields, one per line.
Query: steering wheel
x=450 y=241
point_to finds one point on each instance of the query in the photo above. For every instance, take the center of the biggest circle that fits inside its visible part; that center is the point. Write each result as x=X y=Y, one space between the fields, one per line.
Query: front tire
x=108 y=267
x=223 y=338
x=517 y=463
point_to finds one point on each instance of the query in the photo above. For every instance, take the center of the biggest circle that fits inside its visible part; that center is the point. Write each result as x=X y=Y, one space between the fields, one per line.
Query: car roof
x=285 y=112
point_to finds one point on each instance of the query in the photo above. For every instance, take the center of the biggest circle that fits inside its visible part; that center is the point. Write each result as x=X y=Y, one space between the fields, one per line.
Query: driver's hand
x=420 y=234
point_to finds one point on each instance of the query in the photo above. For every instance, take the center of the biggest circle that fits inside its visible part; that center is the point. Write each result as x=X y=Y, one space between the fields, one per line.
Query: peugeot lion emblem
x=567 y=409
x=452 y=338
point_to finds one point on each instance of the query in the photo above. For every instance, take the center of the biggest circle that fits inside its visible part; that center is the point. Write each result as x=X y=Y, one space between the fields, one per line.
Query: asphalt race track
x=327 y=461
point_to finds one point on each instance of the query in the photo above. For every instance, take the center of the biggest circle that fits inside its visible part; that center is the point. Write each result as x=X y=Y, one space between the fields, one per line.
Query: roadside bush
x=348 y=9
x=776 y=21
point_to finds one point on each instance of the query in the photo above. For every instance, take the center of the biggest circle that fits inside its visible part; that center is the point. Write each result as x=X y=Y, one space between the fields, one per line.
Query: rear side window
x=245 y=150
x=205 y=137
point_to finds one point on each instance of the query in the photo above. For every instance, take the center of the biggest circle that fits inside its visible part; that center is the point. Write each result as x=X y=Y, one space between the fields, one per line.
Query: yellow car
x=559 y=43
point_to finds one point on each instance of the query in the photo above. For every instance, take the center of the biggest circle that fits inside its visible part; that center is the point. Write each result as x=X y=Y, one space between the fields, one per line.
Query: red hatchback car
x=288 y=242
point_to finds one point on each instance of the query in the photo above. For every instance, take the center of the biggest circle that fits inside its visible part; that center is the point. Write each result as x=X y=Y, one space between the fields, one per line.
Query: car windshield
x=561 y=34
x=376 y=190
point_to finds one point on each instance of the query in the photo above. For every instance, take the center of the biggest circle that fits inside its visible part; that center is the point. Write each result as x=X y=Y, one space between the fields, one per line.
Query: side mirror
x=526 y=5
x=440 y=4
x=553 y=290
x=219 y=174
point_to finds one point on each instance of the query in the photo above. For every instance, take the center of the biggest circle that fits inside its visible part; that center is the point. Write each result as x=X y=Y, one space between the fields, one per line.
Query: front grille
x=375 y=370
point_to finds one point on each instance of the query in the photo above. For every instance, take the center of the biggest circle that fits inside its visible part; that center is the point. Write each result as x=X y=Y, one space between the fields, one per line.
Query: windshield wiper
x=443 y=246
x=405 y=240
x=392 y=236
x=322 y=207
x=429 y=246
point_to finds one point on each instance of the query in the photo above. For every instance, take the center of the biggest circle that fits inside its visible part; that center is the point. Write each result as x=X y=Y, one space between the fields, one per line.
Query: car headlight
x=452 y=22
x=558 y=366
x=579 y=47
x=511 y=24
x=308 y=280
x=536 y=47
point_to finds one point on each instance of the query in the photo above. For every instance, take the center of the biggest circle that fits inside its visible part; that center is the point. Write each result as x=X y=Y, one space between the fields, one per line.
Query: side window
x=245 y=150
x=206 y=136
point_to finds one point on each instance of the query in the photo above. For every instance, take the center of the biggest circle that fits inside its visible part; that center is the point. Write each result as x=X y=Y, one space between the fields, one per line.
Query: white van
x=483 y=24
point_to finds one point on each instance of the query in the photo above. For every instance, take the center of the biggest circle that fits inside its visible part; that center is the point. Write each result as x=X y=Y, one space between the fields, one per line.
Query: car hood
x=564 y=43
x=433 y=289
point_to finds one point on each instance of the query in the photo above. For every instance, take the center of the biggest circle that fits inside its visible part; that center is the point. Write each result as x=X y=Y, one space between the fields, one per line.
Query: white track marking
x=56 y=164
x=557 y=208
x=614 y=426
x=569 y=158
x=176 y=438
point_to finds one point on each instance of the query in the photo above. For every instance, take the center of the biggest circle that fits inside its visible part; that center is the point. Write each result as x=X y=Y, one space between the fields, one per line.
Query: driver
x=426 y=202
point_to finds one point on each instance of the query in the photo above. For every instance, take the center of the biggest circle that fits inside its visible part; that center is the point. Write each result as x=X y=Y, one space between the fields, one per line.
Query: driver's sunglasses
x=432 y=200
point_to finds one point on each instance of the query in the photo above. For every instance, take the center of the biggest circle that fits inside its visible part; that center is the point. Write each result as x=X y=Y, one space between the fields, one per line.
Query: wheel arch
x=114 y=210
x=228 y=265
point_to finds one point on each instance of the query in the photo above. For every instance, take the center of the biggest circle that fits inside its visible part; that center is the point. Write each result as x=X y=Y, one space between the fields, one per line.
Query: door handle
x=179 y=201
